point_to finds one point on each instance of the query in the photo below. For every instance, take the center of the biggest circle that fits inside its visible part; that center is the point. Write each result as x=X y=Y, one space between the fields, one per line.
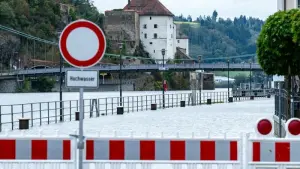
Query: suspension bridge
x=26 y=55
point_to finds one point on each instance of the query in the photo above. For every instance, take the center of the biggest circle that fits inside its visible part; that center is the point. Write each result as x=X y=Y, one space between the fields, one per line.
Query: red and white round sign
x=82 y=44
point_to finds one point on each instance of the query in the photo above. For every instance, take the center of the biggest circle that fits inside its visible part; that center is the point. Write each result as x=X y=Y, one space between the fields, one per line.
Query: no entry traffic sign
x=82 y=44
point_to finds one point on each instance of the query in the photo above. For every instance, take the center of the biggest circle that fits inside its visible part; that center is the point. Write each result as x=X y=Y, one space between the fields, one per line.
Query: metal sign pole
x=279 y=109
x=74 y=78
x=81 y=139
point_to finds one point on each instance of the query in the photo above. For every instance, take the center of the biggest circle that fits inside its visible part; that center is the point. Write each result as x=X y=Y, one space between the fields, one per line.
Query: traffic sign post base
x=120 y=110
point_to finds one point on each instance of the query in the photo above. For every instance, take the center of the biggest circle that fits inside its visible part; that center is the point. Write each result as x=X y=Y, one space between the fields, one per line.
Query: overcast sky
x=226 y=8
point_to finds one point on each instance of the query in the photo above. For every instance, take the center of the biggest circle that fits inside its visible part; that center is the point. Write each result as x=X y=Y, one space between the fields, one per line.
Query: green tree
x=7 y=14
x=43 y=84
x=276 y=50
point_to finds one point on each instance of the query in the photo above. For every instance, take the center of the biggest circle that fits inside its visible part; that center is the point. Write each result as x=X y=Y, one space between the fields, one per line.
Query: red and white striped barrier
x=35 y=149
x=161 y=149
x=261 y=151
x=275 y=151
x=265 y=151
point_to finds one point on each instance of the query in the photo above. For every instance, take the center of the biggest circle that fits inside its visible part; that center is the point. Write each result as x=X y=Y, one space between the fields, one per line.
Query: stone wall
x=102 y=87
x=122 y=26
x=10 y=86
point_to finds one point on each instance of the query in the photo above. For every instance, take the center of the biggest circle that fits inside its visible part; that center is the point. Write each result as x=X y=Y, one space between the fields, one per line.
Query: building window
x=150 y=18
x=145 y=26
x=298 y=3
x=154 y=51
x=155 y=36
x=150 y=43
x=171 y=26
x=155 y=25
x=178 y=41
x=145 y=35
x=171 y=35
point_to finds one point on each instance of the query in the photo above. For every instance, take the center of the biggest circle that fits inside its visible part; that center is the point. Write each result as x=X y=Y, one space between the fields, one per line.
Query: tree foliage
x=43 y=84
x=216 y=37
x=276 y=49
x=43 y=18
x=40 y=18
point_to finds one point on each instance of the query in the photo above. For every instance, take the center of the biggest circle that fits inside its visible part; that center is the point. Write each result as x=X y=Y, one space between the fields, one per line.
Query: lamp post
x=200 y=78
x=163 y=52
x=60 y=89
x=251 y=79
x=120 y=72
x=228 y=78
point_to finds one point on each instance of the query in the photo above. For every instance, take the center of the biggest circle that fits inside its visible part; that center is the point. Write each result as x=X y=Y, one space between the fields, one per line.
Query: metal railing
x=282 y=104
x=49 y=112
x=146 y=67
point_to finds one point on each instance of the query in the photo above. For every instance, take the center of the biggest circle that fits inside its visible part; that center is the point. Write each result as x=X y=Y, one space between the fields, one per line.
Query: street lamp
x=228 y=77
x=163 y=52
x=60 y=89
x=120 y=72
x=251 y=79
x=200 y=78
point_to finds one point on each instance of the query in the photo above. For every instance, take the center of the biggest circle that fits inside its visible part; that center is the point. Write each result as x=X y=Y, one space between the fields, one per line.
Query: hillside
x=43 y=18
x=40 y=18
x=215 y=37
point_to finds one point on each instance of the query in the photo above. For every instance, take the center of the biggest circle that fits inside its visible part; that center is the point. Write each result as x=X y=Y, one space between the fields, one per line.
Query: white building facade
x=156 y=33
x=290 y=4
x=157 y=29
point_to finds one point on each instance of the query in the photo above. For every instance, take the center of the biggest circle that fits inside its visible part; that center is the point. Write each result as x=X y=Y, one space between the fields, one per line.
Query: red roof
x=148 y=7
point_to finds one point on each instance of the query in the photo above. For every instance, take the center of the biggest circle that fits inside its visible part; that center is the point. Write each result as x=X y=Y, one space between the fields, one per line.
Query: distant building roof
x=148 y=7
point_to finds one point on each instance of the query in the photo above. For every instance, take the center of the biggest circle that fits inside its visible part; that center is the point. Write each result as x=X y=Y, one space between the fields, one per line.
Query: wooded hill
x=210 y=36
x=216 y=37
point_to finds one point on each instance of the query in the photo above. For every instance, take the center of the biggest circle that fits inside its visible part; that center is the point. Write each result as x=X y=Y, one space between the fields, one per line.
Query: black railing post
x=250 y=78
x=12 y=117
x=31 y=107
x=228 y=95
x=163 y=51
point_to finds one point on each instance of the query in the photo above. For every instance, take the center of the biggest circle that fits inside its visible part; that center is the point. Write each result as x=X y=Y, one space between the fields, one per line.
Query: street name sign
x=85 y=79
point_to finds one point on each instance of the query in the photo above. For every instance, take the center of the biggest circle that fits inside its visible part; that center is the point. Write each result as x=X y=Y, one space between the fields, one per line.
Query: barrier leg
x=207 y=166
x=146 y=166
x=131 y=165
x=191 y=166
x=177 y=166
x=115 y=165
x=100 y=165
x=245 y=142
x=222 y=166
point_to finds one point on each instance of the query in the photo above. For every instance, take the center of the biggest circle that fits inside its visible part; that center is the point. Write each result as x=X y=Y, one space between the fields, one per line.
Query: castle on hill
x=146 y=22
